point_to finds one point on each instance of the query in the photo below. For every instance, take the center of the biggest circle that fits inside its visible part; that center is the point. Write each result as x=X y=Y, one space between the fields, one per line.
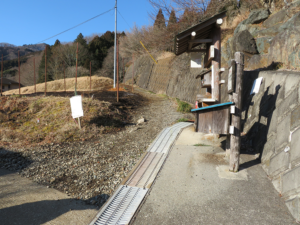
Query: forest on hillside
x=94 y=50
x=170 y=17
x=174 y=16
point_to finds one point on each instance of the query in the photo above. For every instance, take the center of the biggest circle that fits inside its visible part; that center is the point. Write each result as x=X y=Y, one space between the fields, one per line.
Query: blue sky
x=32 y=21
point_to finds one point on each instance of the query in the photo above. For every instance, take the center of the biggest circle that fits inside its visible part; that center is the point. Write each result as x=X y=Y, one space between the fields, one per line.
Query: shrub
x=183 y=107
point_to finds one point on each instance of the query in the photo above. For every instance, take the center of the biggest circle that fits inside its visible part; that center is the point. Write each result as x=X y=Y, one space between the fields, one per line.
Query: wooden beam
x=193 y=35
x=204 y=72
x=201 y=36
x=216 y=63
x=201 y=26
x=197 y=50
x=200 y=41
x=211 y=56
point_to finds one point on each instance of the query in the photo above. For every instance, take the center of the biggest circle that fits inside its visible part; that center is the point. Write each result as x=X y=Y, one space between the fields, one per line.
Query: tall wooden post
x=34 y=75
x=90 y=76
x=76 y=66
x=132 y=71
x=45 y=70
x=117 y=71
x=64 y=77
x=233 y=71
x=19 y=73
x=235 y=141
x=1 y=74
x=216 y=40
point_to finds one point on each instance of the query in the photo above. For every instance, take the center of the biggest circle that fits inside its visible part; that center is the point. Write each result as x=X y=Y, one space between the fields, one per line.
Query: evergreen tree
x=80 y=40
x=57 y=43
x=160 y=20
x=99 y=47
x=172 y=19
x=41 y=71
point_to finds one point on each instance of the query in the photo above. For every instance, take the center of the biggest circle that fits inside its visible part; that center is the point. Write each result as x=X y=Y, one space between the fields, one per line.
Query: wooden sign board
x=231 y=79
x=196 y=60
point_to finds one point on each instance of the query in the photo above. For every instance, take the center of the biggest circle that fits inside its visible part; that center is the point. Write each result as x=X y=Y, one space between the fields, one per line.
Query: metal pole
x=34 y=75
x=1 y=73
x=76 y=66
x=90 y=76
x=117 y=71
x=132 y=71
x=45 y=70
x=19 y=72
x=115 y=50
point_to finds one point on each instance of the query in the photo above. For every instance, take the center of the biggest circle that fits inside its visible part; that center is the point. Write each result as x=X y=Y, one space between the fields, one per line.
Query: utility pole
x=117 y=72
x=115 y=50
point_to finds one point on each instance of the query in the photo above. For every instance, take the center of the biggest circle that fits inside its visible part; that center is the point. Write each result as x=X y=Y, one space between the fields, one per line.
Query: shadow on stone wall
x=257 y=134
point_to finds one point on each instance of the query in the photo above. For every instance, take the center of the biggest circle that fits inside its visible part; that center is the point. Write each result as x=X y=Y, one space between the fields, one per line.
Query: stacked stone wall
x=172 y=76
x=271 y=119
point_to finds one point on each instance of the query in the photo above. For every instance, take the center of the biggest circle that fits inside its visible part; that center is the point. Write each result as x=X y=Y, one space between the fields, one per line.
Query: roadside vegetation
x=183 y=107
x=32 y=120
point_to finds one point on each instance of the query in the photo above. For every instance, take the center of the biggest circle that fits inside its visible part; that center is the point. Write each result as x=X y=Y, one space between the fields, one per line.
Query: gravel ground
x=91 y=170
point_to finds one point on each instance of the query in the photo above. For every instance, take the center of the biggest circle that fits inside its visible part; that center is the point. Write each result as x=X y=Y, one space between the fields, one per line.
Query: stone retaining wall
x=171 y=76
x=271 y=119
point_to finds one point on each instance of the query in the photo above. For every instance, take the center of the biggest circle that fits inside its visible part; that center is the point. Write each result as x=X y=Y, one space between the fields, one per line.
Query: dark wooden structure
x=207 y=34
x=213 y=119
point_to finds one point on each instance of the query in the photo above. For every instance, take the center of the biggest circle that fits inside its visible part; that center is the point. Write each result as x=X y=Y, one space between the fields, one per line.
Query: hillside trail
x=29 y=197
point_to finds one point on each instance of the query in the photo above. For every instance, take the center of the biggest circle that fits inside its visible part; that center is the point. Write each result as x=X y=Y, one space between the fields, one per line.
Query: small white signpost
x=256 y=86
x=76 y=108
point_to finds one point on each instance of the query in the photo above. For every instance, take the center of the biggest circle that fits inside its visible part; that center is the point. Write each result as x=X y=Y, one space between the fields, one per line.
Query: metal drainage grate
x=145 y=173
x=166 y=138
x=121 y=206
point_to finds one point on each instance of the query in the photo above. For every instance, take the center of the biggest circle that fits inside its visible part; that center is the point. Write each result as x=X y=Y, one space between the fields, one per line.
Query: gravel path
x=91 y=170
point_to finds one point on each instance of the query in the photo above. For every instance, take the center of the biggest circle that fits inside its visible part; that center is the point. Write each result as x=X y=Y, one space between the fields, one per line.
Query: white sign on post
x=76 y=106
x=196 y=59
x=256 y=86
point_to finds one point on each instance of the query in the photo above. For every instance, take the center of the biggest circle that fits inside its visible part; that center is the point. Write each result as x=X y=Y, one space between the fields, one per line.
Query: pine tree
x=172 y=19
x=80 y=40
x=160 y=20
x=57 y=43
x=99 y=47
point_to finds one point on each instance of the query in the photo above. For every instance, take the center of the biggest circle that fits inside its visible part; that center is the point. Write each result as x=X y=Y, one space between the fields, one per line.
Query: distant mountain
x=37 y=47
x=10 y=51
x=4 y=44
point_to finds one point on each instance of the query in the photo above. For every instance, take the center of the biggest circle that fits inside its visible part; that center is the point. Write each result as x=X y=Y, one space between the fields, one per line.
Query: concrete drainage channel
x=122 y=205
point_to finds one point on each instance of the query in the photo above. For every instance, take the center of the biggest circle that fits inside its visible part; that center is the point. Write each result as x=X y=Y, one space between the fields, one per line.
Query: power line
x=76 y=26
x=123 y=18
x=72 y=27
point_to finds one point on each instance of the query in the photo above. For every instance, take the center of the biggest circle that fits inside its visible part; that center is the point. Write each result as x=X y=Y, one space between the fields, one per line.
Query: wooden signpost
x=235 y=139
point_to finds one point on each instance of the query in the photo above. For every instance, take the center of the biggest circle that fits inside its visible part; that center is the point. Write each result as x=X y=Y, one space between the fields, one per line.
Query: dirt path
x=91 y=170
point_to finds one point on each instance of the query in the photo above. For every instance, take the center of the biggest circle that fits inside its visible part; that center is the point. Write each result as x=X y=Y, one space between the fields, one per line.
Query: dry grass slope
x=83 y=84
x=47 y=119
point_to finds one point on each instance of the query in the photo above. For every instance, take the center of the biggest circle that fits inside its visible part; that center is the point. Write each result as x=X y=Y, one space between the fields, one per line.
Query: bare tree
x=27 y=70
